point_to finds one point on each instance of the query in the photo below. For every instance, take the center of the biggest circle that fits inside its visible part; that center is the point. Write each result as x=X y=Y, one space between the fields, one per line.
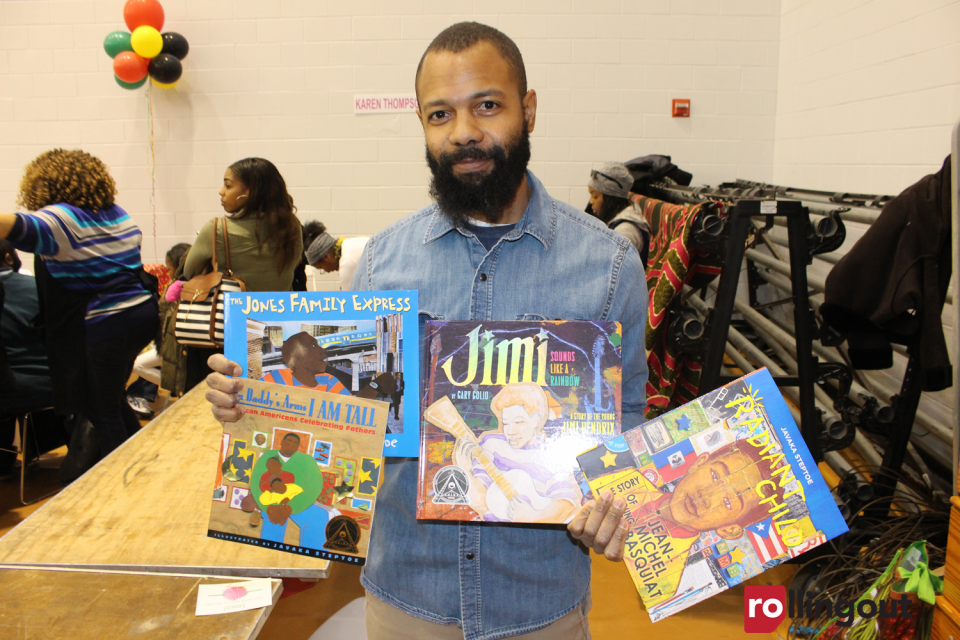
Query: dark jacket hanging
x=893 y=282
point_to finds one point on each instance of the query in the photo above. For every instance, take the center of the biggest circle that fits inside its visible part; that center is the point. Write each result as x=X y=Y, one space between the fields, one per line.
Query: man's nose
x=465 y=130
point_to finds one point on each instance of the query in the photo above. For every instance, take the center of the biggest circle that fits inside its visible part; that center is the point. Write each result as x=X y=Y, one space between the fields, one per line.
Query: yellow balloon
x=146 y=41
x=163 y=86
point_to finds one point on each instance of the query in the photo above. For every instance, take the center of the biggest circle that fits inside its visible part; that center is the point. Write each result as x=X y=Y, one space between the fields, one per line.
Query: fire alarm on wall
x=681 y=108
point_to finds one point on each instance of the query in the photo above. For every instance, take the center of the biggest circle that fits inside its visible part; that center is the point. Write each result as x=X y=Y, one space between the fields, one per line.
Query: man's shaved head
x=463 y=35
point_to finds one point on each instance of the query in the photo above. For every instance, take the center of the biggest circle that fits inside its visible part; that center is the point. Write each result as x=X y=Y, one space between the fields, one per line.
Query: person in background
x=173 y=368
x=147 y=365
x=609 y=190
x=335 y=254
x=310 y=231
x=264 y=235
x=87 y=248
x=25 y=352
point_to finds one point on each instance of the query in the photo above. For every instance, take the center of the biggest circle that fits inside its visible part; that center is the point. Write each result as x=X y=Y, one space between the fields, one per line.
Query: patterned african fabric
x=674 y=377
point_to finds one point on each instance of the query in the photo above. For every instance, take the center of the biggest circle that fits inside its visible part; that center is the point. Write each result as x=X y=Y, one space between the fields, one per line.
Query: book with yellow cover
x=299 y=472
x=717 y=491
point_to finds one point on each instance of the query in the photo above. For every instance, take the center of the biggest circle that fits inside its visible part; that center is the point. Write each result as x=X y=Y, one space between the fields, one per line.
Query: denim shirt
x=557 y=263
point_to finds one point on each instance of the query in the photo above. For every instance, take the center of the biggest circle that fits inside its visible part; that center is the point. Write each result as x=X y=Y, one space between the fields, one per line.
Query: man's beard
x=479 y=195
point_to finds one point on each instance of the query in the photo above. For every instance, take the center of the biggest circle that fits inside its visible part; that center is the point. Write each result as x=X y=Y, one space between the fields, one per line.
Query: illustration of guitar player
x=509 y=479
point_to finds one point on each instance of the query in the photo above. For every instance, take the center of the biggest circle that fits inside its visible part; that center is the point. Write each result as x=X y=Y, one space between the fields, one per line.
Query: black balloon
x=176 y=45
x=165 y=69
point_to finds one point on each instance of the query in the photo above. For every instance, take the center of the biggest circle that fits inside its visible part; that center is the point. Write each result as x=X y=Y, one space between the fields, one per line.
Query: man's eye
x=438 y=115
x=726 y=502
x=714 y=475
x=487 y=105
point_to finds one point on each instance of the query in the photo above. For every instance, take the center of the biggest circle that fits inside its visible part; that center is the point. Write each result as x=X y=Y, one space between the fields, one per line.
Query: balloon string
x=152 y=168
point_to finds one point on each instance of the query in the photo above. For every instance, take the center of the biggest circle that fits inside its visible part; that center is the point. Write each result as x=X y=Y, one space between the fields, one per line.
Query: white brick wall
x=868 y=94
x=276 y=78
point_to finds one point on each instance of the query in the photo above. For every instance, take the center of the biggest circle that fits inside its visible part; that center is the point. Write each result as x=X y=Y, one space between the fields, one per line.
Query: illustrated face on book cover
x=508 y=406
x=714 y=494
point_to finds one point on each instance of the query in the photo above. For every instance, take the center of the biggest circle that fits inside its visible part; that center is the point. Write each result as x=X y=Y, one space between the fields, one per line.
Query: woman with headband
x=334 y=254
x=610 y=202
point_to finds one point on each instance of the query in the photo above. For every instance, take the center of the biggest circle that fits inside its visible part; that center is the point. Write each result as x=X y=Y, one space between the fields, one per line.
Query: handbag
x=200 y=311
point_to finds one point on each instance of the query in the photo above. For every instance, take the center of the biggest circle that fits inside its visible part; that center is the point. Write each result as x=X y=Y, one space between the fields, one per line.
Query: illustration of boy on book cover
x=344 y=343
x=507 y=406
x=717 y=491
x=299 y=472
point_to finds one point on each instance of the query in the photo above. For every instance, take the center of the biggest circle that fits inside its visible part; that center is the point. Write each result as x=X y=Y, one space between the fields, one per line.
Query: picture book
x=299 y=472
x=507 y=406
x=717 y=491
x=349 y=343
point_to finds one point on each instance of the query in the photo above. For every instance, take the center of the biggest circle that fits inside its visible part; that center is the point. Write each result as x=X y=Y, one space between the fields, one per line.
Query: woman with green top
x=264 y=235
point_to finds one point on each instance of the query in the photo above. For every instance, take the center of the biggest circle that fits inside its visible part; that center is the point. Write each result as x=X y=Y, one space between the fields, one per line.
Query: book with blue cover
x=353 y=343
x=717 y=491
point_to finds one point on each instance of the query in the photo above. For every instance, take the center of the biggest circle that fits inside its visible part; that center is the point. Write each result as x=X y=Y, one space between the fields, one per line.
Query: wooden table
x=92 y=606
x=145 y=507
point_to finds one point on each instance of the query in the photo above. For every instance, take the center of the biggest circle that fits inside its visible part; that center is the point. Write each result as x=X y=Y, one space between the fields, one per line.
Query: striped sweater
x=92 y=253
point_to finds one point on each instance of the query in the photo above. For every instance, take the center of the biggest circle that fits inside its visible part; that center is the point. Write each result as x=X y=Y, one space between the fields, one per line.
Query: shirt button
x=483 y=277
x=469 y=556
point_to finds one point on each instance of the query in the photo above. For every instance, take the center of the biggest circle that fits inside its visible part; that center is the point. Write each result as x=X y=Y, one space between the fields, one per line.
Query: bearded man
x=494 y=246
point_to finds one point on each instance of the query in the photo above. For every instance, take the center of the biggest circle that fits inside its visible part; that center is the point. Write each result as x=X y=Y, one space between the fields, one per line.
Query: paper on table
x=214 y=599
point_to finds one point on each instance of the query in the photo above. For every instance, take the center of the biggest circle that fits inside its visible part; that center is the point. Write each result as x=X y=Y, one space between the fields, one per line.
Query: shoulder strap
x=226 y=247
x=213 y=253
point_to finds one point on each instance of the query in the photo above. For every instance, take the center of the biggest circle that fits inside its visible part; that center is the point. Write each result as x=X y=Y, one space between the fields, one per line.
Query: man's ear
x=730 y=532
x=530 y=109
x=701 y=460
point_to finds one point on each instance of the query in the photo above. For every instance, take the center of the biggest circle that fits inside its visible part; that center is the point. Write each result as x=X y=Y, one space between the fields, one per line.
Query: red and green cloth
x=674 y=377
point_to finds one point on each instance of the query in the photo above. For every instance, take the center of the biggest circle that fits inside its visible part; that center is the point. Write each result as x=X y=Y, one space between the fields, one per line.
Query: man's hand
x=278 y=514
x=599 y=525
x=463 y=454
x=222 y=391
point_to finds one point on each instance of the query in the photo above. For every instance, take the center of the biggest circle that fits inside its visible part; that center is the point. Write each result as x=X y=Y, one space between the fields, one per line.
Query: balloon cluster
x=145 y=50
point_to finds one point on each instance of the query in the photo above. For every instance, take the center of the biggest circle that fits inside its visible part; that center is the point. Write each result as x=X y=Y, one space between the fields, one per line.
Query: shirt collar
x=539 y=219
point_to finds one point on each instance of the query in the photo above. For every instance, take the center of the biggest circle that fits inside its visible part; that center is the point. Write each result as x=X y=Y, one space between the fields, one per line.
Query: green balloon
x=131 y=85
x=117 y=42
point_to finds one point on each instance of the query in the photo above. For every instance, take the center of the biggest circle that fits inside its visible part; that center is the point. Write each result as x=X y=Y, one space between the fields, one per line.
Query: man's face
x=715 y=493
x=520 y=427
x=477 y=128
x=289 y=445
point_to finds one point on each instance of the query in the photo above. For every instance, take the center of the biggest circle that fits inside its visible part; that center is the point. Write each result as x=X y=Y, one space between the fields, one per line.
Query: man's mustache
x=464 y=154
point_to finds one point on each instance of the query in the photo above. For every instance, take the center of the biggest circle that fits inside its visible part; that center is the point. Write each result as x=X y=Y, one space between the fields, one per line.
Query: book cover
x=349 y=343
x=507 y=406
x=299 y=472
x=717 y=491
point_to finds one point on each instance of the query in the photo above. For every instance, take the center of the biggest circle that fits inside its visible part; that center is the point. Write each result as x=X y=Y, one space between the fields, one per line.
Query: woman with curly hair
x=264 y=235
x=98 y=312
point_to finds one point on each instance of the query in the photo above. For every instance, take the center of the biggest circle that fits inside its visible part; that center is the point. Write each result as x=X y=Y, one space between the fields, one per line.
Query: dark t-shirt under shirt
x=488 y=236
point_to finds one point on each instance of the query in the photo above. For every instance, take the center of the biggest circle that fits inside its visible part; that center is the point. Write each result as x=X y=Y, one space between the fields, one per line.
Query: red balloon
x=137 y=13
x=129 y=67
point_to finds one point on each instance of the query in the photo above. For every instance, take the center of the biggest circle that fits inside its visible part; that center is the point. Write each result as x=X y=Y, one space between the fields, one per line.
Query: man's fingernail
x=619 y=503
x=607 y=498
